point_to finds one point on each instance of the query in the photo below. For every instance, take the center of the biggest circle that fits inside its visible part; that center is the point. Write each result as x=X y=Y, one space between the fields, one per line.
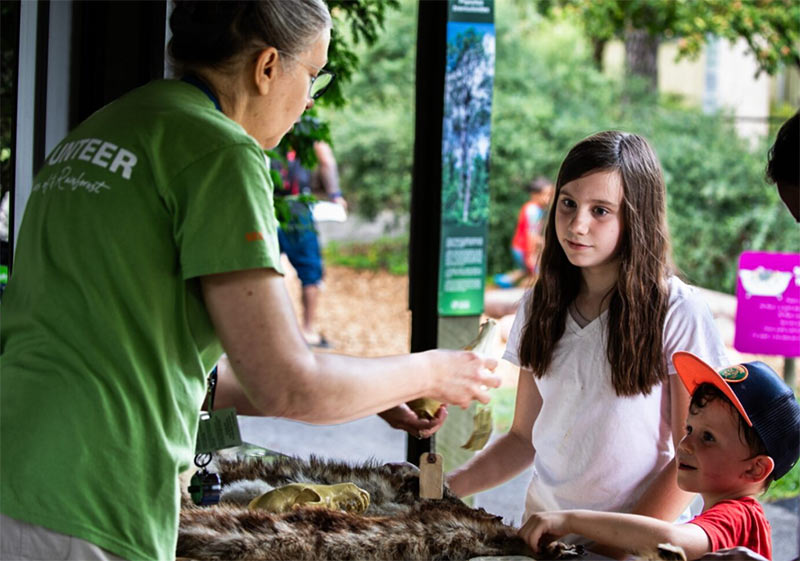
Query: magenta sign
x=768 y=304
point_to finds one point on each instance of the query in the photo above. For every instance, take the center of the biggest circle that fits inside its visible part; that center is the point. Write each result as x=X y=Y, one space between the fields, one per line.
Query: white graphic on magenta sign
x=765 y=282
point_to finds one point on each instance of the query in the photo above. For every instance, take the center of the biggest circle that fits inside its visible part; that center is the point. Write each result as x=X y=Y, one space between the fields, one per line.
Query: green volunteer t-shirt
x=105 y=342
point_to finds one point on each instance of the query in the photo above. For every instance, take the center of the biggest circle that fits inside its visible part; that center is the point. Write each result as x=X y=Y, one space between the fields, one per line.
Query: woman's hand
x=463 y=376
x=403 y=418
x=542 y=528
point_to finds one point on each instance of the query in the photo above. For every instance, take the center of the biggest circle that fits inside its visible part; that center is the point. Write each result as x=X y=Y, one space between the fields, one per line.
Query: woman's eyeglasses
x=319 y=83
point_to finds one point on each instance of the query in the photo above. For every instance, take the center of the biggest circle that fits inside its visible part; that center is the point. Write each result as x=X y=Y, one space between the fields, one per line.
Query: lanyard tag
x=431 y=476
x=205 y=488
x=218 y=430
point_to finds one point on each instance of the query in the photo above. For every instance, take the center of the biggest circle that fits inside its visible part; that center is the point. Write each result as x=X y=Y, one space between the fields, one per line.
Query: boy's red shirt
x=737 y=522
x=531 y=216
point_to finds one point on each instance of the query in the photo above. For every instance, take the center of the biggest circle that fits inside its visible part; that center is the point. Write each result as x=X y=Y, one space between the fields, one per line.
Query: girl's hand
x=463 y=376
x=738 y=553
x=543 y=528
x=403 y=418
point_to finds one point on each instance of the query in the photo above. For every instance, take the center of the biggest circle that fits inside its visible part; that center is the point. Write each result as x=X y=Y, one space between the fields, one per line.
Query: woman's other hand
x=403 y=418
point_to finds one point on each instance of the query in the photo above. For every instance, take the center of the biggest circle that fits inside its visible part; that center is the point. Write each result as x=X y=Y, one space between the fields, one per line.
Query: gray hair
x=218 y=33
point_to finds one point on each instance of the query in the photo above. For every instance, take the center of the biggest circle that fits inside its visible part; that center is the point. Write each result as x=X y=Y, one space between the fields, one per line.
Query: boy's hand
x=543 y=528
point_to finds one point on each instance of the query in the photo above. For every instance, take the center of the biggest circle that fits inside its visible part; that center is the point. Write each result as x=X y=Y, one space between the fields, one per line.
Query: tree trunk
x=467 y=195
x=598 y=48
x=641 y=56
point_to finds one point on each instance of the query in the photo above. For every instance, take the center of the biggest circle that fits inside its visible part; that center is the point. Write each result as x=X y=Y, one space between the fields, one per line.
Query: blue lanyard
x=197 y=82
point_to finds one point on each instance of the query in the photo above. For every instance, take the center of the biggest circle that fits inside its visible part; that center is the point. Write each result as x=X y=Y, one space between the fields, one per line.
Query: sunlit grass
x=388 y=254
x=503 y=408
x=786 y=487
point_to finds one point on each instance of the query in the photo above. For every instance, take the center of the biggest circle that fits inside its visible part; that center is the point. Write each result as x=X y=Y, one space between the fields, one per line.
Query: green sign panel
x=471 y=11
x=465 y=156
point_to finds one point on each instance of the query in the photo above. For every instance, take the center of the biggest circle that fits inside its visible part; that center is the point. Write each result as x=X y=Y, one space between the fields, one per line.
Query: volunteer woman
x=148 y=247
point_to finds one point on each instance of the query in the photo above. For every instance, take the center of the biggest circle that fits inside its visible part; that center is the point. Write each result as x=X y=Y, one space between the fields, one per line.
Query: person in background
x=148 y=247
x=526 y=245
x=299 y=239
x=742 y=433
x=593 y=340
x=783 y=164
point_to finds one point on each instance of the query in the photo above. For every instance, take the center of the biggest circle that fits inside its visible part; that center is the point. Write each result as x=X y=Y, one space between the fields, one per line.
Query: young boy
x=528 y=240
x=742 y=432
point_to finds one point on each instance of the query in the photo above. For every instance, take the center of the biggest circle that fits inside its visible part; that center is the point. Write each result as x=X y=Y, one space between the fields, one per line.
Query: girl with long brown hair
x=599 y=409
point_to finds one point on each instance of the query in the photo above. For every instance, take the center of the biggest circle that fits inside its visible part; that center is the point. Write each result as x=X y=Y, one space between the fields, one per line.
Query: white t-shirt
x=594 y=449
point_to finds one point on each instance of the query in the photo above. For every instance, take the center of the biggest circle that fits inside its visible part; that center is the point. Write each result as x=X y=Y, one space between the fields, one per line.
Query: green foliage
x=355 y=22
x=373 y=135
x=9 y=15
x=609 y=19
x=770 y=28
x=503 y=402
x=548 y=96
x=719 y=202
x=388 y=254
x=302 y=137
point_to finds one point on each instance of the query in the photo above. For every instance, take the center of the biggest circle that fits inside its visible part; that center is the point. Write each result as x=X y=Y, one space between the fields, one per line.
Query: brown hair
x=539 y=184
x=638 y=302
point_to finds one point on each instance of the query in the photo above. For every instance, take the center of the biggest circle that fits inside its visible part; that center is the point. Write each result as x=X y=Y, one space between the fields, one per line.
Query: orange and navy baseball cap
x=761 y=397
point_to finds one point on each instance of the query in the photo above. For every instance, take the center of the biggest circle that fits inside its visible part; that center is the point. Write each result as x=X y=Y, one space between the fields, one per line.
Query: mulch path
x=363 y=313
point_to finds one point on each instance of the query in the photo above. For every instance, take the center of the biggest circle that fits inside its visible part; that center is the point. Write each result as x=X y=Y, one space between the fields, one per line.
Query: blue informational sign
x=469 y=80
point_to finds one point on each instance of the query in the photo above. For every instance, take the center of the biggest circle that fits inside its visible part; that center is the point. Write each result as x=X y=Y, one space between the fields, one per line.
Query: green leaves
x=373 y=135
x=771 y=28
x=354 y=22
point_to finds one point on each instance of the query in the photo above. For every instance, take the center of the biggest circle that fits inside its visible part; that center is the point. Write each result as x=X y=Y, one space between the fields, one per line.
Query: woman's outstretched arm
x=280 y=376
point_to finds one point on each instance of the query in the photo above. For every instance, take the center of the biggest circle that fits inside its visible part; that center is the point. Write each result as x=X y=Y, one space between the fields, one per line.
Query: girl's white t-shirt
x=594 y=449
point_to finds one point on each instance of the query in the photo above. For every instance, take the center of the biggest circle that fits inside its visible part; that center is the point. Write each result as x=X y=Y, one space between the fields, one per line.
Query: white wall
x=721 y=77
x=739 y=89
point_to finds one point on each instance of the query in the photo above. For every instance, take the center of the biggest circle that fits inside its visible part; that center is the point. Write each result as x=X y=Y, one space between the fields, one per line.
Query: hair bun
x=213 y=32
x=201 y=30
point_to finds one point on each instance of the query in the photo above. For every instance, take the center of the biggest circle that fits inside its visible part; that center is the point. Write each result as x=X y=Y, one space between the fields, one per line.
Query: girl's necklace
x=583 y=318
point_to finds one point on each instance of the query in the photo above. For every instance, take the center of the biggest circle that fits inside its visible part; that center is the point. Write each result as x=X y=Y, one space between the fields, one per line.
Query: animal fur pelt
x=397 y=524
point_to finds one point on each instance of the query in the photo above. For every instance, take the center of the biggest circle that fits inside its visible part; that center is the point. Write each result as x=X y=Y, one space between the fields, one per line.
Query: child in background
x=528 y=240
x=598 y=410
x=742 y=432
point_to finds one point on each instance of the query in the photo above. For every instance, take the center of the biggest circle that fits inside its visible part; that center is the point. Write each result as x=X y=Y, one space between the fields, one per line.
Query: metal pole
x=426 y=202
